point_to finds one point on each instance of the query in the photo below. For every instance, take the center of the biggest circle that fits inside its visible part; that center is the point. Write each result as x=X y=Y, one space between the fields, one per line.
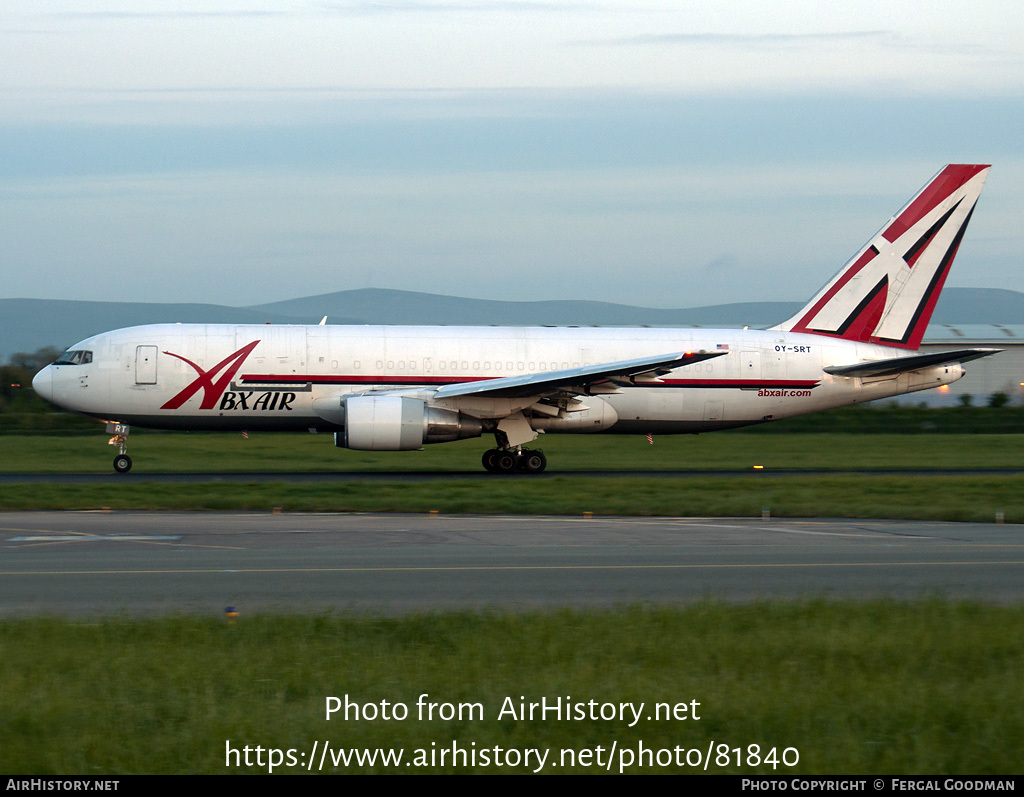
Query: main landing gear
x=519 y=460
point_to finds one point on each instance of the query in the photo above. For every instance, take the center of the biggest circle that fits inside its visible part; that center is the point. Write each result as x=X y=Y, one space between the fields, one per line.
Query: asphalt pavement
x=74 y=563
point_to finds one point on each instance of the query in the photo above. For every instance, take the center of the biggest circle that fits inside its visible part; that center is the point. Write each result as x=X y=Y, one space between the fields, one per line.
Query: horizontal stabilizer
x=547 y=381
x=915 y=362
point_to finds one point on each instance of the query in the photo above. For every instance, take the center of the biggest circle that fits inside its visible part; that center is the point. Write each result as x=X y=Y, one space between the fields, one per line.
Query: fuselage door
x=750 y=365
x=145 y=365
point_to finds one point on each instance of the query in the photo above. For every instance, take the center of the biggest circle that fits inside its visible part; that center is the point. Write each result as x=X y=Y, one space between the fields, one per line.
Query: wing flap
x=642 y=370
x=915 y=362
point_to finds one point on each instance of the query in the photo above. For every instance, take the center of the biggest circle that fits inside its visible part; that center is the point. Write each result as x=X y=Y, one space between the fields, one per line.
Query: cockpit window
x=78 y=357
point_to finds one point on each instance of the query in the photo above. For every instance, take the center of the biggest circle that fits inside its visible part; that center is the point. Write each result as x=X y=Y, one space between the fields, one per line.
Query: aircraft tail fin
x=887 y=291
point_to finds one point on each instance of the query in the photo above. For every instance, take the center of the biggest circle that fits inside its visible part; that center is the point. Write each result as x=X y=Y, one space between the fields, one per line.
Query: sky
x=664 y=154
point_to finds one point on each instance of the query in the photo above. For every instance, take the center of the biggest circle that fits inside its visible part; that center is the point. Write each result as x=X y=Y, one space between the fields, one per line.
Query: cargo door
x=714 y=410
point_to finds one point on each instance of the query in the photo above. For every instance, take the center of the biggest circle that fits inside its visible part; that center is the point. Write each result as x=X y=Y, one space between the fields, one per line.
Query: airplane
x=397 y=388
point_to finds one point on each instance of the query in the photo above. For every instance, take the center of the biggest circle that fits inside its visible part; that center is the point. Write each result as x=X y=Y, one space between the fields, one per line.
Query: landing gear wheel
x=489 y=458
x=533 y=462
x=122 y=463
x=505 y=462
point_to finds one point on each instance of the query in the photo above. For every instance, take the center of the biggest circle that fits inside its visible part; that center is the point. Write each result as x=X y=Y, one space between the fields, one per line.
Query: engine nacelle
x=400 y=423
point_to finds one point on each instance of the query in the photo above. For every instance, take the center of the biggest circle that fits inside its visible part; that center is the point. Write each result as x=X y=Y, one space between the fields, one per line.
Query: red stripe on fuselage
x=332 y=379
x=736 y=383
x=413 y=381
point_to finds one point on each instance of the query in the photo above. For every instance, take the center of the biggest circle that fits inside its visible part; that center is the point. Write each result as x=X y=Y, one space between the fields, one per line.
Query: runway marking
x=490 y=568
x=55 y=538
x=81 y=537
x=659 y=522
x=199 y=545
x=784 y=530
x=150 y=539
x=37 y=531
x=690 y=522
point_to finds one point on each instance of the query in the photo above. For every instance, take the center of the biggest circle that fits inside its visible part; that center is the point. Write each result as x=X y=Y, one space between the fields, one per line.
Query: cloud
x=368 y=7
x=751 y=40
x=120 y=15
x=759 y=41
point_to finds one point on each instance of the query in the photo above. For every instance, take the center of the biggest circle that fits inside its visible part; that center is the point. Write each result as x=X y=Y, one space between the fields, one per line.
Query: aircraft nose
x=42 y=383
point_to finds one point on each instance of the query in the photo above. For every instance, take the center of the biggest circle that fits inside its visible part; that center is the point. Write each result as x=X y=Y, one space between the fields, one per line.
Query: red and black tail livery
x=886 y=293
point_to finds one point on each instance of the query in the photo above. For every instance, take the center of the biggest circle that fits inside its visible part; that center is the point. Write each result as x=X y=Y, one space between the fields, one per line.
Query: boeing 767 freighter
x=396 y=388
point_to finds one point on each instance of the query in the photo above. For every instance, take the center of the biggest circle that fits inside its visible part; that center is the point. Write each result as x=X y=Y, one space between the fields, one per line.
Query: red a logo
x=212 y=391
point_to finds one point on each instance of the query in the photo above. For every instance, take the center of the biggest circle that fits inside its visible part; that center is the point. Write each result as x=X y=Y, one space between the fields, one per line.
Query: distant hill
x=979 y=306
x=30 y=324
x=379 y=306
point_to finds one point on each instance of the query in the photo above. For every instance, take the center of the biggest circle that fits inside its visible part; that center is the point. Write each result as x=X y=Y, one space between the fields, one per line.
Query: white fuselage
x=220 y=376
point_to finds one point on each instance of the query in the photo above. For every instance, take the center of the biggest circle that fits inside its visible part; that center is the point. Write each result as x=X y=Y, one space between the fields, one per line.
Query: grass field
x=976 y=498
x=877 y=688
x=210 y=452
x=961 y=497
x=855 y=688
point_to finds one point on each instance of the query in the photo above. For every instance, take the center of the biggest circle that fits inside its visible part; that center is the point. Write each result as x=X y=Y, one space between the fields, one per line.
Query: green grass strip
x=974 y=498
x=226 y=453
x=927 y=688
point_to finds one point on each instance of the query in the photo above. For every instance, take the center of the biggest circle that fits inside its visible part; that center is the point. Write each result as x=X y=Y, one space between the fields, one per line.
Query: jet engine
x=399 y=423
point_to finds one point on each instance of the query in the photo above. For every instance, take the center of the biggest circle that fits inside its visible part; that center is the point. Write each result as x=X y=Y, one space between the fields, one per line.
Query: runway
x=75 y=563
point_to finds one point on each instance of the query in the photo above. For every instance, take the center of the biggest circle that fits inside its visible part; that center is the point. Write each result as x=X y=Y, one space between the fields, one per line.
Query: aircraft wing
x=900 y=365
x=576 y=380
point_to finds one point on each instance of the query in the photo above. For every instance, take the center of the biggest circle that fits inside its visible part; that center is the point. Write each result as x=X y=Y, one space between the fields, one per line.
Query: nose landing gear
x=122 y=462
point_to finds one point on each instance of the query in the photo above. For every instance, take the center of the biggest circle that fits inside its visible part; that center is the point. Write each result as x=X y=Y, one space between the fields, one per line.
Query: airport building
x=1000 y=373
